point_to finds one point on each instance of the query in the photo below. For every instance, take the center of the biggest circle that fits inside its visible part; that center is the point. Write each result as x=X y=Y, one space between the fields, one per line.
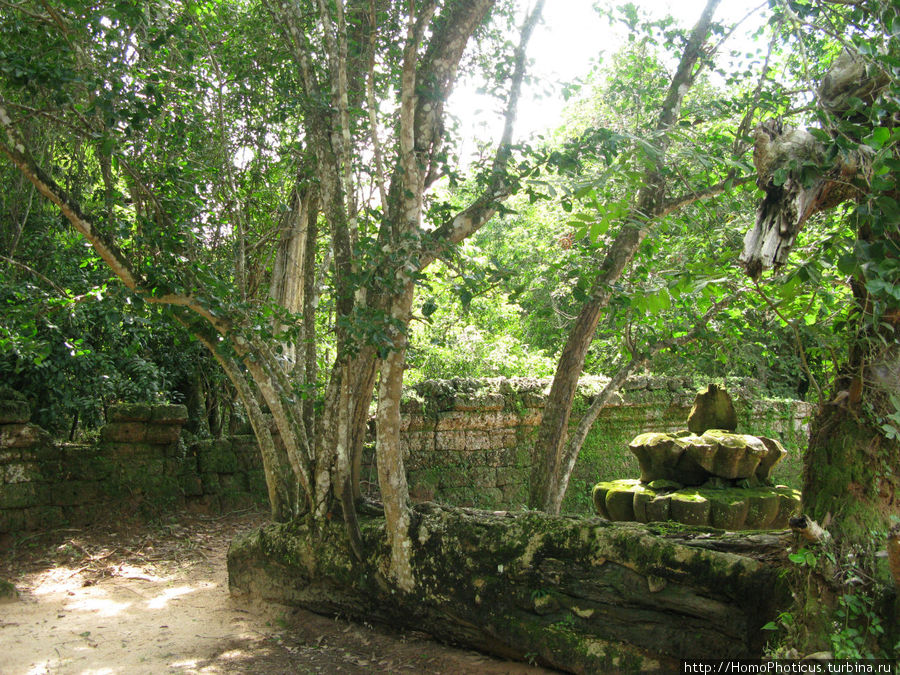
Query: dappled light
x=162 y=600
x=110 y=609
x=102 y=606
x=127 y=617
x=56 y=580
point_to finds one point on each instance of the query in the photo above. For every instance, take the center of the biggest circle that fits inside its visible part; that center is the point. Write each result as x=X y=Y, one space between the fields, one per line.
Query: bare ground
x=138 y=598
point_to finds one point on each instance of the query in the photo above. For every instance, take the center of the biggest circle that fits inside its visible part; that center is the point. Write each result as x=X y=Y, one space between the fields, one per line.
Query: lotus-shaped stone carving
x=693 y=460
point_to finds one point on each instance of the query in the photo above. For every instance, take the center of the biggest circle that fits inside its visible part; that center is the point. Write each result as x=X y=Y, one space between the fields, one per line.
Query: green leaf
x=878 y=137
x=598 y=229
x=846 y=264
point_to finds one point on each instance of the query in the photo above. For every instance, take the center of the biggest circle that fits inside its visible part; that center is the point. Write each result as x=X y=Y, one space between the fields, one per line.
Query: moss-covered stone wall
x=582 y=595
x=466 y=443
x=470 y=442
x=140 y=464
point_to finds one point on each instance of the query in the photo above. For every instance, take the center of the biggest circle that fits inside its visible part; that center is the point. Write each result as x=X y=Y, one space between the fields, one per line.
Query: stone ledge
x=759 y=508
x=23 y=435
x=13 y=411
x=580 y=594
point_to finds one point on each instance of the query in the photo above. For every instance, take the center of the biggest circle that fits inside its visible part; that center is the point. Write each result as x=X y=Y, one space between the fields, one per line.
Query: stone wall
x=466 y=442
x=140 y=464
x=470 y=442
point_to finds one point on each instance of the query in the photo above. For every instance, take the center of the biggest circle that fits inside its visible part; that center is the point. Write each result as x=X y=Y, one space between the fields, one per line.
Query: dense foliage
x=503 y=305
x=275 y=187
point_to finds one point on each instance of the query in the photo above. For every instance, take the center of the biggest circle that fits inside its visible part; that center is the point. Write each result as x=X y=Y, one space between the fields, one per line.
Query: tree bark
x=288 y=284
x=851 y=469
x=313 y=467
x=576 y=439
x=389 y=453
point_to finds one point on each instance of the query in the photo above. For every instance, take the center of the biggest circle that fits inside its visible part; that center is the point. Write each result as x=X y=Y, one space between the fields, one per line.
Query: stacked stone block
x=140 y=463
x=141 y=442
x=229 y=469
x=27 y=463
x=471 y=442
x=465 y=442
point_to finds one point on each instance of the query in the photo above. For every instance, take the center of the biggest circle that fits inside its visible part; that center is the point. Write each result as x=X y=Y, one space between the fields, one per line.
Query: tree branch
x=33 y=271
x=106 y=248
x=437 y=72
x=473 y=217
x=373 y=113
x=796 y=331
x=677 y=203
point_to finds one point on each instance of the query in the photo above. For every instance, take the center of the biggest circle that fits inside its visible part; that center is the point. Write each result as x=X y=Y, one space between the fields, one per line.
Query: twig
x=33 y=271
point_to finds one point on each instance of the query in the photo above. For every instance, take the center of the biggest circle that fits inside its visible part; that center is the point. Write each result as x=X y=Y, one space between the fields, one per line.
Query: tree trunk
x=310 y=466
x=852 y=466
x=581 y=595
x=389 y=453
x=569 y=454
x=850 y=472
x=289 y=284
x=343 y=431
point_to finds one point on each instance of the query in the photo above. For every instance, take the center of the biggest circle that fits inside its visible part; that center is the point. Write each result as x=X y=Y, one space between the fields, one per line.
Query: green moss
x=21 y=495
x=594 y=655
x=729 y=508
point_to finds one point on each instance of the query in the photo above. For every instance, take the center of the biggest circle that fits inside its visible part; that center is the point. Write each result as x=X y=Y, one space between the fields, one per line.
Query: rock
x=14 y=411
x=660 y=456
x=23 y=436
x=577 y=594
x=727 y=508
x=694 y=460
x=712 y=409
x=775 y=452
x=731 y=456
x=129 y=412
x=662 y=484
x=729 y=512
x=617 y=497
x=689 y=507
x=658 y=508
x=174 y=413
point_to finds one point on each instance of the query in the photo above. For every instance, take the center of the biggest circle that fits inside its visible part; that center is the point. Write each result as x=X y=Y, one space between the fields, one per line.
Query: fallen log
x=580 y=594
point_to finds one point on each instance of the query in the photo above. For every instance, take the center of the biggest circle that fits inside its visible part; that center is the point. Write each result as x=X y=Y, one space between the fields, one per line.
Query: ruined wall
x=470 y=442
x=141 y=463
x=466 y=442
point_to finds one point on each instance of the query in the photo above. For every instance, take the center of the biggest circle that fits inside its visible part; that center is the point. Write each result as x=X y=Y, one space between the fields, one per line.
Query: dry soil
x=137 y=598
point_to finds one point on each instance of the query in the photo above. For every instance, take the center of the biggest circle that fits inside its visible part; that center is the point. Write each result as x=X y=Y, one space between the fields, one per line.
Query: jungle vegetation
x=260 y=209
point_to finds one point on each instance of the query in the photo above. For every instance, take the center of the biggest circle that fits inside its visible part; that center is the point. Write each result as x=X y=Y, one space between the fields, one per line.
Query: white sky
x=570 y=38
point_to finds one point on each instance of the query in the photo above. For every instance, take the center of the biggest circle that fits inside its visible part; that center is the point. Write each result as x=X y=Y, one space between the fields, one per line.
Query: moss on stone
x=129 y=412
x=14 y=411
x=726 y=508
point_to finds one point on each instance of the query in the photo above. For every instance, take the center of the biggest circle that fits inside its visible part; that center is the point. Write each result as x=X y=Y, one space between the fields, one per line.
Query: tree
x=556 y=453
x=845 y=158
x=203 y=132
x=850 y=156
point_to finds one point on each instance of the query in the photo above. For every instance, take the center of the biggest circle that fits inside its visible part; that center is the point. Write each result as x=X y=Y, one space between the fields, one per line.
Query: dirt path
x=154 y=599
